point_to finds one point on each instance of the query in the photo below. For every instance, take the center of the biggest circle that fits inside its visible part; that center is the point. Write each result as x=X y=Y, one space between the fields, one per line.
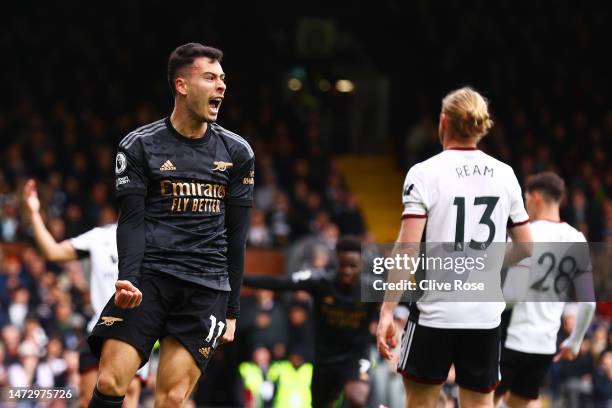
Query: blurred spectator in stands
x=299 y=197
x=602 y=381
x=312 y=210
x=348 y=217
x=578 y=211
x=314 y=251
x=283 y=153
x=266 y=191
x=301 y=332
x=258 y=391
x=421 y=141
x=319 y=222
x=11 y=276
x=3 y=367
x=57 y=228
x=22 y=372
x=599 y=341
x=259 y=235
x=9 y=223
x=264 y=321
x=36 y=334
x=66 y=322
x=75 y=224
x=51 y=369
x=57 y=196
x=99 y=198
x=18 y=310
x=334 y=191
x=71 y=357
x=283 y=221
x=301 y=172
x=11 y=337
x=292 y=379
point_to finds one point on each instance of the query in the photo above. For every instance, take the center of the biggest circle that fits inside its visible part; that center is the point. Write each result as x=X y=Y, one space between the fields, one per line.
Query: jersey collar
x=186 y=140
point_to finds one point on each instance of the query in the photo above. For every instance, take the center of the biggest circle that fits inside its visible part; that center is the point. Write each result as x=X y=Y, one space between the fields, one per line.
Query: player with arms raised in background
x=341 y=319
x=460 y=195
x=531 y=336
x=184 y=186
x=100 y=245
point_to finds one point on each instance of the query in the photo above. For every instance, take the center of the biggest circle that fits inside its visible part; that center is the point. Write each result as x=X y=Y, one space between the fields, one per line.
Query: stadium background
x=337 y=103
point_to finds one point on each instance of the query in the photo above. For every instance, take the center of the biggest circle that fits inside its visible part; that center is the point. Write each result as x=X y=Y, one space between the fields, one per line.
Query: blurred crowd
x=63 y=129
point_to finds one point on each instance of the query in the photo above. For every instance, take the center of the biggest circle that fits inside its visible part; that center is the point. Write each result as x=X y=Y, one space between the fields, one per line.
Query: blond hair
x=467 y=112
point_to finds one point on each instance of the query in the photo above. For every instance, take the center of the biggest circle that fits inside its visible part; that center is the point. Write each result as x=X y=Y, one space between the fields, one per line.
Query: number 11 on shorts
x=211 y=332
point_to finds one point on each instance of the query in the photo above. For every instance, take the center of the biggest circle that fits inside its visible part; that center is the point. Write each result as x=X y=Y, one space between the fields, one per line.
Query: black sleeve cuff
x=233 y=314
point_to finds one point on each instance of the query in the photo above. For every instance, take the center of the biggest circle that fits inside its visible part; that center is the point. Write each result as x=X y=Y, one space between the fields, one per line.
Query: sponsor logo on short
x=120 y=163
x=205 y=351
x=167 y=166
x=222 y=166
x=109 y=320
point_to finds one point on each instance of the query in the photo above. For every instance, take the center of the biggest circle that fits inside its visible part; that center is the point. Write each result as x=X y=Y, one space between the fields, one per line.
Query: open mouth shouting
x=214 y=104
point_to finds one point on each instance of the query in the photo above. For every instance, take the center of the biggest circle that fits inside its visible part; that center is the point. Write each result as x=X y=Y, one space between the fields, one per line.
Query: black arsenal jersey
x=341 y=319
x=187 y=184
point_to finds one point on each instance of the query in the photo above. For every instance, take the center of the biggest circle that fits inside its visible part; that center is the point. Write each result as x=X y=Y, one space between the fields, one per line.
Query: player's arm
x=411 y=232
x=302 y=280
x=571 y=346
x=237 y=216
x=130 y=248
x=414 y=217
x=237 y=219
x=521 y=246
x=131 y=189
x=50 y=248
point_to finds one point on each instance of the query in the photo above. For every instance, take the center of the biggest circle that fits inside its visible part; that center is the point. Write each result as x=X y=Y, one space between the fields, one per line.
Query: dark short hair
x=185 y=54
x=550 y=185
x=348 y=244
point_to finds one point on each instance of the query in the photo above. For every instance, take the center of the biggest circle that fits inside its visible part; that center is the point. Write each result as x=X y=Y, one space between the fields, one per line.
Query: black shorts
x=329 y=379
x=523 y=373
x=192 y=314
x=87 y=361
x=427 y=354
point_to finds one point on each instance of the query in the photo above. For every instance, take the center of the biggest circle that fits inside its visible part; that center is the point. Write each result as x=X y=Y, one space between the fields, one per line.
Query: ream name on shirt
x=468 y=170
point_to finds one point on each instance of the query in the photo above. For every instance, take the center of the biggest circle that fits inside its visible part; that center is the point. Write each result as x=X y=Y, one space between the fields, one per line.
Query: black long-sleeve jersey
x=187 y=185
x=341 y=319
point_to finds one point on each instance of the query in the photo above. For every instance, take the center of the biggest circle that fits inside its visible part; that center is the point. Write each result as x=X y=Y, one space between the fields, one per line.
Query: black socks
x=99 y=400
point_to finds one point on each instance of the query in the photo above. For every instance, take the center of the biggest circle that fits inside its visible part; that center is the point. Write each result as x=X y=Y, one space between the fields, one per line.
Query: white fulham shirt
x=534 y=325
x=466 y=196
x=101 y=243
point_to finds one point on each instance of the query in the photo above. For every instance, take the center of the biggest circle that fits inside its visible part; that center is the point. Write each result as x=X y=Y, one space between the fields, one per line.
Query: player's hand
x=30 y=196
x=230 y=328
x=565 y=353
x=127 y=296
x=385 y=333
